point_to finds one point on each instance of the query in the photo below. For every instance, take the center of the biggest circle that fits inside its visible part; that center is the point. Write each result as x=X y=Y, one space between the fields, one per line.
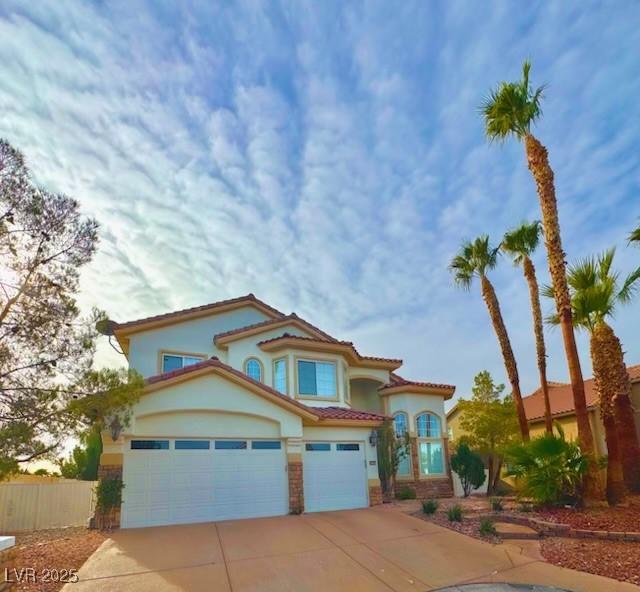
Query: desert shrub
x=486 y=527
x=549 y=469
x=454 y=513
x=469 y=467
x=406 y=493
x=429 y=506
x=496 y=504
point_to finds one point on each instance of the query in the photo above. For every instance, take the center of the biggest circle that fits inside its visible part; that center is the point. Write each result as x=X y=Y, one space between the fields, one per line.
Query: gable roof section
x=345 y=348
x=314 y=416
x=561 y=397
x=397 y=384
x=197 y=312
x=223 y=339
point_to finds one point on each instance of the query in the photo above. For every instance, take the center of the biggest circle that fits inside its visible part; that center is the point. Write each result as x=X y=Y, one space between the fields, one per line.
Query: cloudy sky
x=327 y=156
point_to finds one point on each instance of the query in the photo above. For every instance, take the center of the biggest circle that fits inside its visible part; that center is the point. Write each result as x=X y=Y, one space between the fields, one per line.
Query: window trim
x=346 y=384
x=322 y=360
x=254 y=359
x=440 y=439
x=284 y=359
x=407 y=476
x=168 y=352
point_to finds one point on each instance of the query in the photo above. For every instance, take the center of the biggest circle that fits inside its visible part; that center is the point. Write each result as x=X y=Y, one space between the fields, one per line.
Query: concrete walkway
x=377 y=550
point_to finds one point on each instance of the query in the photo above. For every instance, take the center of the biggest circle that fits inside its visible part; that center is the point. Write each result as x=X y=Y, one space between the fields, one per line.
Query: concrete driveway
x=377 y=550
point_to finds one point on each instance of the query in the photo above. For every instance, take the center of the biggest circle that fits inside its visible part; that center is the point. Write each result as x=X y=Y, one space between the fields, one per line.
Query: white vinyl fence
x=458 y=491
x=36 y=506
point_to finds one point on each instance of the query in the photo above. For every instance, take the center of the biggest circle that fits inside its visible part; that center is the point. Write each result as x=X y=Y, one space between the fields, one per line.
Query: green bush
x=549 y=469
x=429 y=506
x=454 y=513
x=496 y=504
x=469 y=467
x=406 y=493
x=486 y=527
x=109 y=493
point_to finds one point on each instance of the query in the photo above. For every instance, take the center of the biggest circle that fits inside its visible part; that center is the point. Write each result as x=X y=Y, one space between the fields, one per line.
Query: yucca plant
x=549 y=469
x=510 y=111
x=476 y=259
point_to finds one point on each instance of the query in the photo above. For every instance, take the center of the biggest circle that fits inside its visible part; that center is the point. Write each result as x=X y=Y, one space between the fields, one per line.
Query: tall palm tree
x=510 y=111
x=520 y=243
x=596 y=291
x=475 y=259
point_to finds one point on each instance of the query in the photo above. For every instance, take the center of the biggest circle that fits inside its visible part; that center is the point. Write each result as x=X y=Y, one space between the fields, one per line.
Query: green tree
x=596 y=291
x=520 y=243
x=469 y=467
x=46 y=345
x=490 y=424
x=475 y=259
x=84 y=460
x=391 y=451
x=510 y=111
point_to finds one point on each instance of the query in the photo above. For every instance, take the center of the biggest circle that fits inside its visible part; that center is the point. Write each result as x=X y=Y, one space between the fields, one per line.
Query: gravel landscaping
x=54 y=549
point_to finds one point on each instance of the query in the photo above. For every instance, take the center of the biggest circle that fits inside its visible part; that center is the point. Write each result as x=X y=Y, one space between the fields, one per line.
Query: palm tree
x=596 y=291
x=509 y=111
x=634 y=237
x=475 y=259
x=520 y=243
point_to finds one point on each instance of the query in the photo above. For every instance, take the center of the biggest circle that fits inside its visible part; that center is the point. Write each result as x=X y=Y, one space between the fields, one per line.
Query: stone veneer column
x=296 y=485
x=375 y=492
x=110 y=467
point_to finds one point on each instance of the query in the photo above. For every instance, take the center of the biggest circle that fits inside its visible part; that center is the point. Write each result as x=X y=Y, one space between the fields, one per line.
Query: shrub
x=454 y=513
x=469 y=467
x=496 y=504
x=549 y=469
x=406 y=493
x=486 y=527
x=429 y=506
x=108 y=498
x=524 y=507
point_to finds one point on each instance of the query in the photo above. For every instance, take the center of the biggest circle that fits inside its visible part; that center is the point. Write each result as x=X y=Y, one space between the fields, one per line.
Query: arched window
x=253 y=369
x=401 y=425
x=430 y=444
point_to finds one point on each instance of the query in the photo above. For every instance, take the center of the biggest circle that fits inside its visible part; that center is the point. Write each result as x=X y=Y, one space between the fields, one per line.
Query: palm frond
x=629 y=287
x=547 y=291
x=605 y=261
x=522 y=241
x=634 y=237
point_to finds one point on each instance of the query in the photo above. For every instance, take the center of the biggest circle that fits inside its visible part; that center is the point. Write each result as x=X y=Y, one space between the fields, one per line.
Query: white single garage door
x=334 y=476
x=178 y=481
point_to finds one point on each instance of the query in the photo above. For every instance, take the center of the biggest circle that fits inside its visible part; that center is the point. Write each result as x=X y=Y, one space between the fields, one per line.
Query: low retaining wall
x=546 y=528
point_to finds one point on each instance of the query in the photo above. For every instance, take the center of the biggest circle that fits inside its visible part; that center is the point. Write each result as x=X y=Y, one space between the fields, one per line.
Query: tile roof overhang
x=317 y=416
x=397 y=384
x=561 y=397
x=344 y=348
x=223 y=339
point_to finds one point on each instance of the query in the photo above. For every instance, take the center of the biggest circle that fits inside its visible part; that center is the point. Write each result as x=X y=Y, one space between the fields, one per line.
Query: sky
x=329 y=157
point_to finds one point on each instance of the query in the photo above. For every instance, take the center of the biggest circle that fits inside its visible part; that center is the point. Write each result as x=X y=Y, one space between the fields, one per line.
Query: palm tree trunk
x=538 y=162
x=606 y=354
x=534 y=295
x=490 y=477
x=491 y=300
x=496 y=477
x=628 y=438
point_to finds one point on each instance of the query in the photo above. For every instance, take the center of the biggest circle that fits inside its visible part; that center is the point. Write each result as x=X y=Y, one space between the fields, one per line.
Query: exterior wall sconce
x=115 y=427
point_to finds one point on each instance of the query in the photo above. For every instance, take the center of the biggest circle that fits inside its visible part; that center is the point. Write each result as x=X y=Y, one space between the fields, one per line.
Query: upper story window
x=280 y=375
x=430 y=444
x=176 y=361
x=253 y=369
x=316 y=378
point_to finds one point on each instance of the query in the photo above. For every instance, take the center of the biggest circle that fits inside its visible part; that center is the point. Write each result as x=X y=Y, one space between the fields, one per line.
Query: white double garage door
x=179 y=481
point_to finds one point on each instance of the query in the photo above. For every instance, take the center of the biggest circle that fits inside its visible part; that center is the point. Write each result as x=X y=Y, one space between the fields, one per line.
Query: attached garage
x=334 y=476
x=178 y=481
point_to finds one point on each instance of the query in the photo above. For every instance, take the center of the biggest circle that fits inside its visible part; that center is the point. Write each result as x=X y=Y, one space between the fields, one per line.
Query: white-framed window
x=430 y=444
x=280 y=375
x=401 y=427
x=176 y=361
x=316 y=378
x=253 y=369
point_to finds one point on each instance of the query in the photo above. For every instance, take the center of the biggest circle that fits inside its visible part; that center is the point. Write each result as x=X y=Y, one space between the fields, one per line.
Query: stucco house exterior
x=250 y=412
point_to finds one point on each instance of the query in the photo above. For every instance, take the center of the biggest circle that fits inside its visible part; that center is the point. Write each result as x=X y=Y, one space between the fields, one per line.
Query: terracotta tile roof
x=334 y=413
x=345 y=343
x=196 y=309
x=397 y=380
x=561 y=396
x=350 y=414
x=293 y=317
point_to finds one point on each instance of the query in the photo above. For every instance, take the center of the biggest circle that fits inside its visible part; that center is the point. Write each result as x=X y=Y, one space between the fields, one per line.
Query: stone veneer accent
x=113 y=519
x=296 y=487
x=375 y=494
x=426 y=487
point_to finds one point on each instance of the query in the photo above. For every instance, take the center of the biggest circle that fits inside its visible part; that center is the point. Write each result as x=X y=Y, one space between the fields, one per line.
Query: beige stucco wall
x=194 y=336
x=414 y=404
x=365 y=396
x=570 y=428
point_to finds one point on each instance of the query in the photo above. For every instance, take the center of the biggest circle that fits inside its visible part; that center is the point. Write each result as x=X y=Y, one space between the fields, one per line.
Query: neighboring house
x=250 y=412
x=562 y=410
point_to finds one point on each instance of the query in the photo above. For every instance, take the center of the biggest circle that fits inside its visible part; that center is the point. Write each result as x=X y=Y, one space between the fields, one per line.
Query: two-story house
x=249 y=412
